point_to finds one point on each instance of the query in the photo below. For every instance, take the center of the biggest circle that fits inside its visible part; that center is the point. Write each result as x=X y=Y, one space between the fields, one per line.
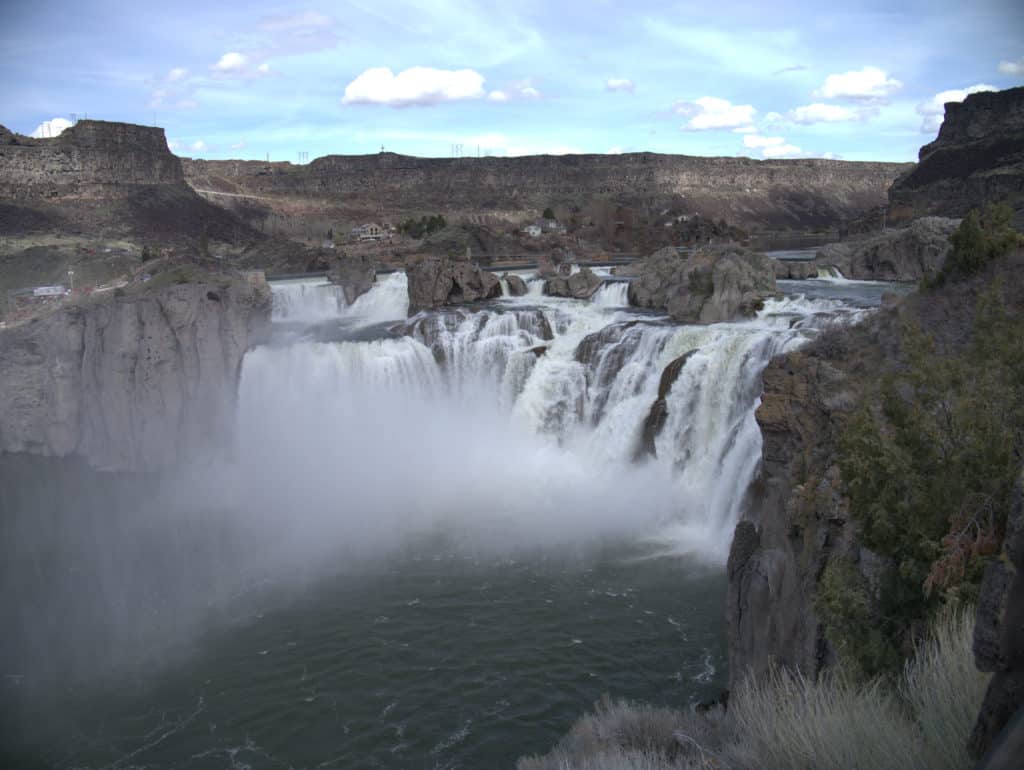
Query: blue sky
x=862 y=81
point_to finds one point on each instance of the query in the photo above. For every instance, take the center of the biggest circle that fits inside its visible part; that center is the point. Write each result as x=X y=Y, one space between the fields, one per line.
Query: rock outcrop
x=706 y=287
x=109 y=180
x=900 y=254
x=438 y=281
x=977 y=157
x=999 y=632
x=579 y=285
x=87 y=158
x=657 y=416
x=356 y=275
x=516 y=286
x=135 y=380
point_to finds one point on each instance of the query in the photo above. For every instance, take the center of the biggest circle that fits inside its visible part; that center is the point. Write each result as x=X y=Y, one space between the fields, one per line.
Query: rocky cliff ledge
x=91 y=154
x=132 y=381
x=977 y=157
x=799 y=522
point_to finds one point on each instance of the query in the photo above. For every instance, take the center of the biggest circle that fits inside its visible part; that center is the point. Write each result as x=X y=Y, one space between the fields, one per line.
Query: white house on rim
x=368 y=232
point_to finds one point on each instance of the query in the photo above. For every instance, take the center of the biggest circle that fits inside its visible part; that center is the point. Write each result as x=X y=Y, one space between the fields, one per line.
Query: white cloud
x=824 y=113
x=173 y=145
x=865 y=83
x=1012 y=67
x=414 y=86
x=613 y=151
x=620 y=84
x=239 y=146
x=771 y=146
x=176 y=74
x=498 y=96
x=232 y=61
x=710 y=112
x=529 y=92
x=782 y=151
x=50 y=128
x=934 y=109
x=198 y=146
x=263 y=69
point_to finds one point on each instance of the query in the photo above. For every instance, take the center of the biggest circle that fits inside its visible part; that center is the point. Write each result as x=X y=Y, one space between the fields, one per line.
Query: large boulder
x=707 y=287
x=901 y=254
x=516 y=286
x=438 y=281
x=580 y=285
x=356 y=275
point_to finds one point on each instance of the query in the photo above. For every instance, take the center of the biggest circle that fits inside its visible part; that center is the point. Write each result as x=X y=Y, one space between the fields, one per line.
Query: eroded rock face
x=706 y=287
x=132 y=382
x=356 y=275
x=516 y=286
x=438 y=281
x=999 y=632
x=977 y=157
x=901 y=254
x=579 y=285
x=658 y=414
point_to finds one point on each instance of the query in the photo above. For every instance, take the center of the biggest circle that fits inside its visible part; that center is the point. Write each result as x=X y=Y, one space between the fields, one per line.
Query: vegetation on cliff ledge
x=929 y=462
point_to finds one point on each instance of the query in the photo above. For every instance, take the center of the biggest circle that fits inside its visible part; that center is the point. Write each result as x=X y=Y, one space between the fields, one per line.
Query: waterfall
x=307 y=301
x=526 y=414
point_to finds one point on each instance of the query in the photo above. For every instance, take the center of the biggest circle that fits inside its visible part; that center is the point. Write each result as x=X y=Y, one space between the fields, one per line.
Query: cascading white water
x=528 y=413
x=612 y=294
x=307 y=301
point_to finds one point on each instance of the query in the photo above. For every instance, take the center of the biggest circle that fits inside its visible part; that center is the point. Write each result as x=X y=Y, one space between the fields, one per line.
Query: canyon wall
x=133 y=380
x=977 y=157
x=797 y=194
x=86 y=158
x=100 y=179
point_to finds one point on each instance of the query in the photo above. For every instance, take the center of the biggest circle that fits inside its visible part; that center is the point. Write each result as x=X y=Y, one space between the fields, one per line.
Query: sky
x=257 y=79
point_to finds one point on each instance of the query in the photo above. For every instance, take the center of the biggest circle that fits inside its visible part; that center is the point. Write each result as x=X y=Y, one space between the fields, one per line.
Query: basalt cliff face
x=133 y=381
x=100 y=178
x=795 y=194
x=977 y=157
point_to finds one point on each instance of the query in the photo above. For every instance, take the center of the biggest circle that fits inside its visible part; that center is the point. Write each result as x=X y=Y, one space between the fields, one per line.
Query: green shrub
x=860 y=636
x=929 y=463
x=982 y=237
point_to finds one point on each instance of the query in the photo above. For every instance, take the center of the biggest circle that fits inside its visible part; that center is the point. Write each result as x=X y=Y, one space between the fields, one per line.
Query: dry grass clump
x=787 y=722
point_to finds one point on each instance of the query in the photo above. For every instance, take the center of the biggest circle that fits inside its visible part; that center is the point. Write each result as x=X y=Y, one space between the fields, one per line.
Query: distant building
x=554 y=226
x=533 y=231
x=368 y=232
